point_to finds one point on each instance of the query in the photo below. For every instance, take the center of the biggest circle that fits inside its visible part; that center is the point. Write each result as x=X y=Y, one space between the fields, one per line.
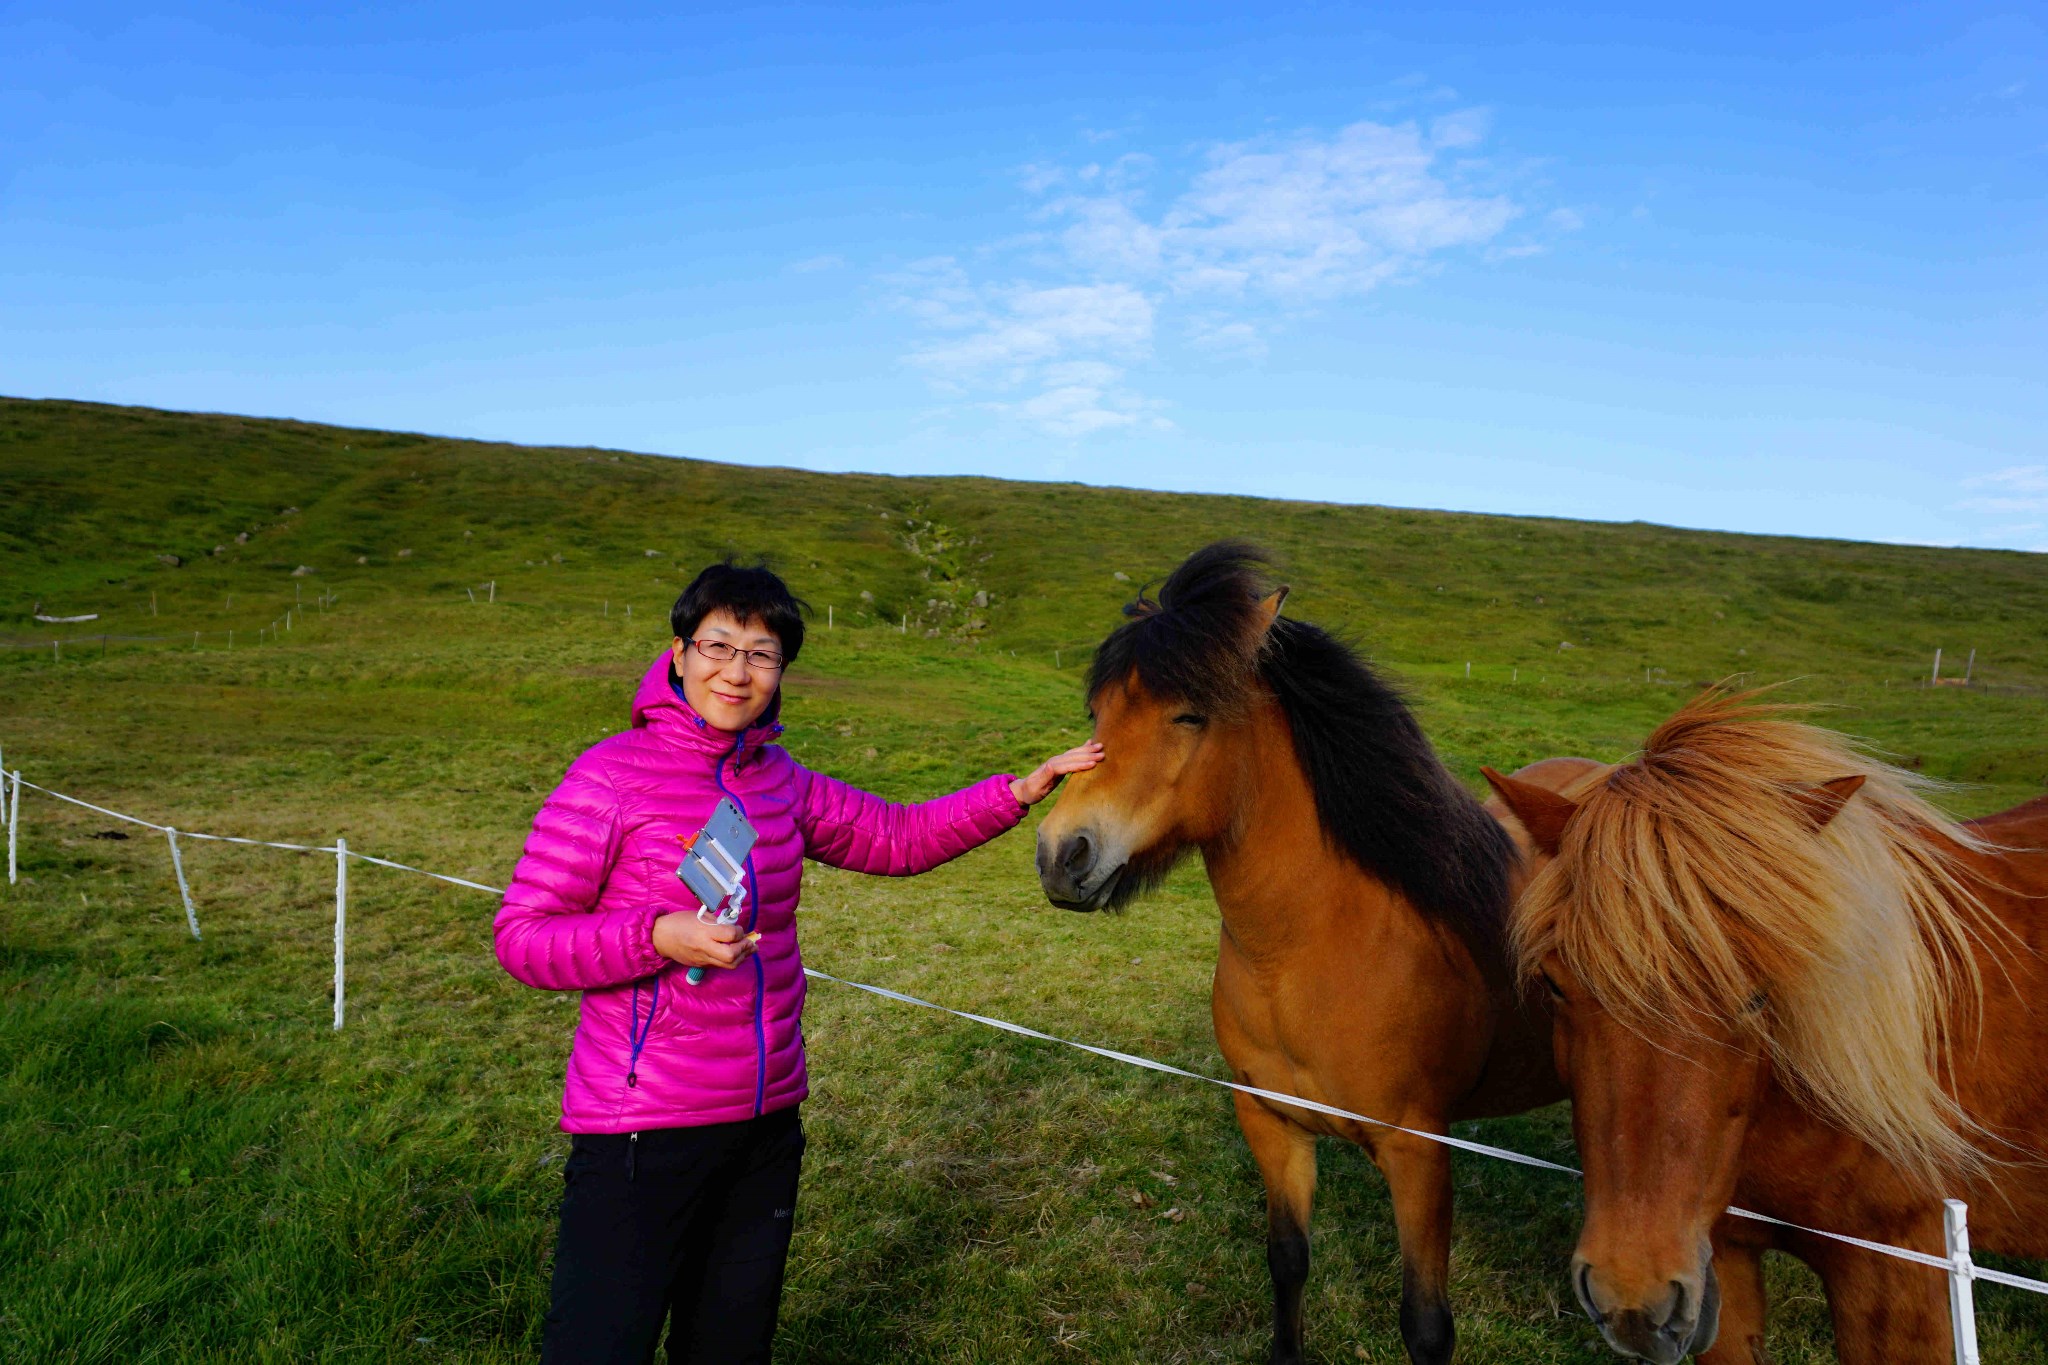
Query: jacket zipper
x=753 y=914
x=632 y=1150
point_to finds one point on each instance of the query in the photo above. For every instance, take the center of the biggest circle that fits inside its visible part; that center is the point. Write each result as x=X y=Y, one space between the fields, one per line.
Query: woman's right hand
x=682 y=937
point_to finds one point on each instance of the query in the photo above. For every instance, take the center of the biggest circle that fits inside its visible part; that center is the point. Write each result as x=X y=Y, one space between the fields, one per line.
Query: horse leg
x=1286 y=1153
x=1885 y=1311
x=1739 y=1268
x=1418 y=1176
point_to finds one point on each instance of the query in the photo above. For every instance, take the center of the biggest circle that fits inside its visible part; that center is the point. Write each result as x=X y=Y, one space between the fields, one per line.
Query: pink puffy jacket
x=652 y=1051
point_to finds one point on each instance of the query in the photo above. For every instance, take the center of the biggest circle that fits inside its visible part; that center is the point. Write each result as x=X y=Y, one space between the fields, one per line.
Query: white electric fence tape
x=1957 y=1265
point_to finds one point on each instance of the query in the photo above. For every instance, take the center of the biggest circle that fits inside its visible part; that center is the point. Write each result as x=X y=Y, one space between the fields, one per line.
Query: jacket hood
x=658 y=706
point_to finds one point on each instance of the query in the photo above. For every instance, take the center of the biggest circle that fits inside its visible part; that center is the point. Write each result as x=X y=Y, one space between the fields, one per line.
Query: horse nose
x=1064 y=865
x=1660 y=1331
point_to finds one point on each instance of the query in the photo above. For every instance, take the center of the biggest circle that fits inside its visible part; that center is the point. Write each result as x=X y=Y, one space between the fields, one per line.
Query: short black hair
x=751 y=592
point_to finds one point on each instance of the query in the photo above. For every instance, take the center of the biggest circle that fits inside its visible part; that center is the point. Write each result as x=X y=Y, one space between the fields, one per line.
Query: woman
x=682 y=1175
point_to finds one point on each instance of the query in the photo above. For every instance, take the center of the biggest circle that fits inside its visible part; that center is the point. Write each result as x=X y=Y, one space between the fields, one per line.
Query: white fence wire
x=1961 y=1270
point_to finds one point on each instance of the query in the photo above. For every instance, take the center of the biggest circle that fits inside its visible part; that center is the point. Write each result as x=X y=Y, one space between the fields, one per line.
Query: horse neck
x=1279 y=882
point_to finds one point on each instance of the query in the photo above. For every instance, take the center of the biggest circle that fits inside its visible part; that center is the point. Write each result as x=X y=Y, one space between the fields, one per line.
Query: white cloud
x=1225 y=339
x=812 y=264
x=1466 y=128
x=2018 y=478
x=2020 y=489
x=2003 y=506
x=1295 y=219
x=1081 y=403
x=1259 y=229
x=1009 y=330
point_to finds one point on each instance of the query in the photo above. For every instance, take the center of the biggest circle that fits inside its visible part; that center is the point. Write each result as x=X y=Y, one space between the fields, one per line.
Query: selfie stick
x=732 y=885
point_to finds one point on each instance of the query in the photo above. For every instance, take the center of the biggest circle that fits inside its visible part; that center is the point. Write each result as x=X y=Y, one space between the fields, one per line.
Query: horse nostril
x=1582 y=1283
x=1078 y=856
x=1673 y=1306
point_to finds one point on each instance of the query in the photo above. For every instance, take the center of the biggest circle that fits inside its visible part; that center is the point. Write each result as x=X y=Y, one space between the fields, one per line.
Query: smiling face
x=735 y=693
x=1163 y=787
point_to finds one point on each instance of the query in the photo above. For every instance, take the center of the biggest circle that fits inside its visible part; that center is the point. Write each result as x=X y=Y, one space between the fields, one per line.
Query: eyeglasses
x=719 y=652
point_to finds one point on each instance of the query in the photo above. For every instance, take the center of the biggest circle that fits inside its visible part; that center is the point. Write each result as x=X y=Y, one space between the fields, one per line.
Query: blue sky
x=1773 y=269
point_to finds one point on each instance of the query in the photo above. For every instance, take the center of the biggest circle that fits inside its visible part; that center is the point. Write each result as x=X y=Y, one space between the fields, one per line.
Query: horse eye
x=1556 y=992
x=1190 y=718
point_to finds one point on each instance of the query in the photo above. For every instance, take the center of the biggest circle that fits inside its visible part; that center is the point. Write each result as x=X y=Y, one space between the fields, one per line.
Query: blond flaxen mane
x=1692 y=885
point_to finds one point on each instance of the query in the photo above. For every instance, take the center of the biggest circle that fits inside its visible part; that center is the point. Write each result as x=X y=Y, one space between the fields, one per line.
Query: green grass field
x=193 y=1166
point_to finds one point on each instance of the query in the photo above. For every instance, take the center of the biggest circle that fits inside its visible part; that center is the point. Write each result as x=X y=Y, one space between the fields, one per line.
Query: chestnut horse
x=1363 y=894
x=1784 y=981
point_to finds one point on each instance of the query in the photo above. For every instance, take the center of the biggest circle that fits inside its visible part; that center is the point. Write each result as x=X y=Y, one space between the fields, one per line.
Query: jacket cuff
x=647 y=956
x=1003 y=800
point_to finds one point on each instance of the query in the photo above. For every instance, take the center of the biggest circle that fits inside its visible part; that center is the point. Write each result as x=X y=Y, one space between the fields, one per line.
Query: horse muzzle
x=1074 y=872
x=1678 y=1323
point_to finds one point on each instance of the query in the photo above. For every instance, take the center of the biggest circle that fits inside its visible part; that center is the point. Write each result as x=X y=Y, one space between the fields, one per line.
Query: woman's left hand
x=1035 y=788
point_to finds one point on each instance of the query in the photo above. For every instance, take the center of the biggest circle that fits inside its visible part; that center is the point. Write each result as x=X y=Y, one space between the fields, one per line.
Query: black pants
x=686 y=1224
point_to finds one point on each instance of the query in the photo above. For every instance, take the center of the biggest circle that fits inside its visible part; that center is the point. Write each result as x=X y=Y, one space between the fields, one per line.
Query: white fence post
x=13 y=822
x=1962 y=1308
x=184 y=891
x=340 y=921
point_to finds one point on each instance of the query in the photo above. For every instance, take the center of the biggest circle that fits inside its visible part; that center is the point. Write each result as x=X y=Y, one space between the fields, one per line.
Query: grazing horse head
x=1201 y=689
x=1749 y=900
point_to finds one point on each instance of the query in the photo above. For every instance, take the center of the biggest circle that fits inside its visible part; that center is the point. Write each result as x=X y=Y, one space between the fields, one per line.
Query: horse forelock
x=1199 y=641
x=1692 y=883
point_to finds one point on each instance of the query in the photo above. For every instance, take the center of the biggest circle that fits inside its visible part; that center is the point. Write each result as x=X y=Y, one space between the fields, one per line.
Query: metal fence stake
x=13 y=823
x=1962 y=1307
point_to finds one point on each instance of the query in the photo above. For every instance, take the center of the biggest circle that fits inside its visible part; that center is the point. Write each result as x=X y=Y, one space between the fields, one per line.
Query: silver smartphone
x=717 y=859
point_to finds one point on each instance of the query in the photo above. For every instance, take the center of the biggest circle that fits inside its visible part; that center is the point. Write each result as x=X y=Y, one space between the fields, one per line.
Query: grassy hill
x=94 y=495
x=193 y=1167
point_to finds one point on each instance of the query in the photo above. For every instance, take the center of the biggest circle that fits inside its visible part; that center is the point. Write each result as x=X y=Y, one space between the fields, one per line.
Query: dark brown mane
x=1382 y=795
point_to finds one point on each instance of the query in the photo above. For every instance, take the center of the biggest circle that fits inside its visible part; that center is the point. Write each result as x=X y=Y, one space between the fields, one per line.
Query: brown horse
x=1784 y=981
x=1363 y=894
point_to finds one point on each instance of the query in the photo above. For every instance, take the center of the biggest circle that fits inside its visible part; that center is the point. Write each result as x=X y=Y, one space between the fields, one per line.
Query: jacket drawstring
x=636 y=1034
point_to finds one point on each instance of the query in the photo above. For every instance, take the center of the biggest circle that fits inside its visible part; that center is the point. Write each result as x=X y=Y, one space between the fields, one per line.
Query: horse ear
x=1824 y=802
x=1542 y=811
x=1269 y=607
